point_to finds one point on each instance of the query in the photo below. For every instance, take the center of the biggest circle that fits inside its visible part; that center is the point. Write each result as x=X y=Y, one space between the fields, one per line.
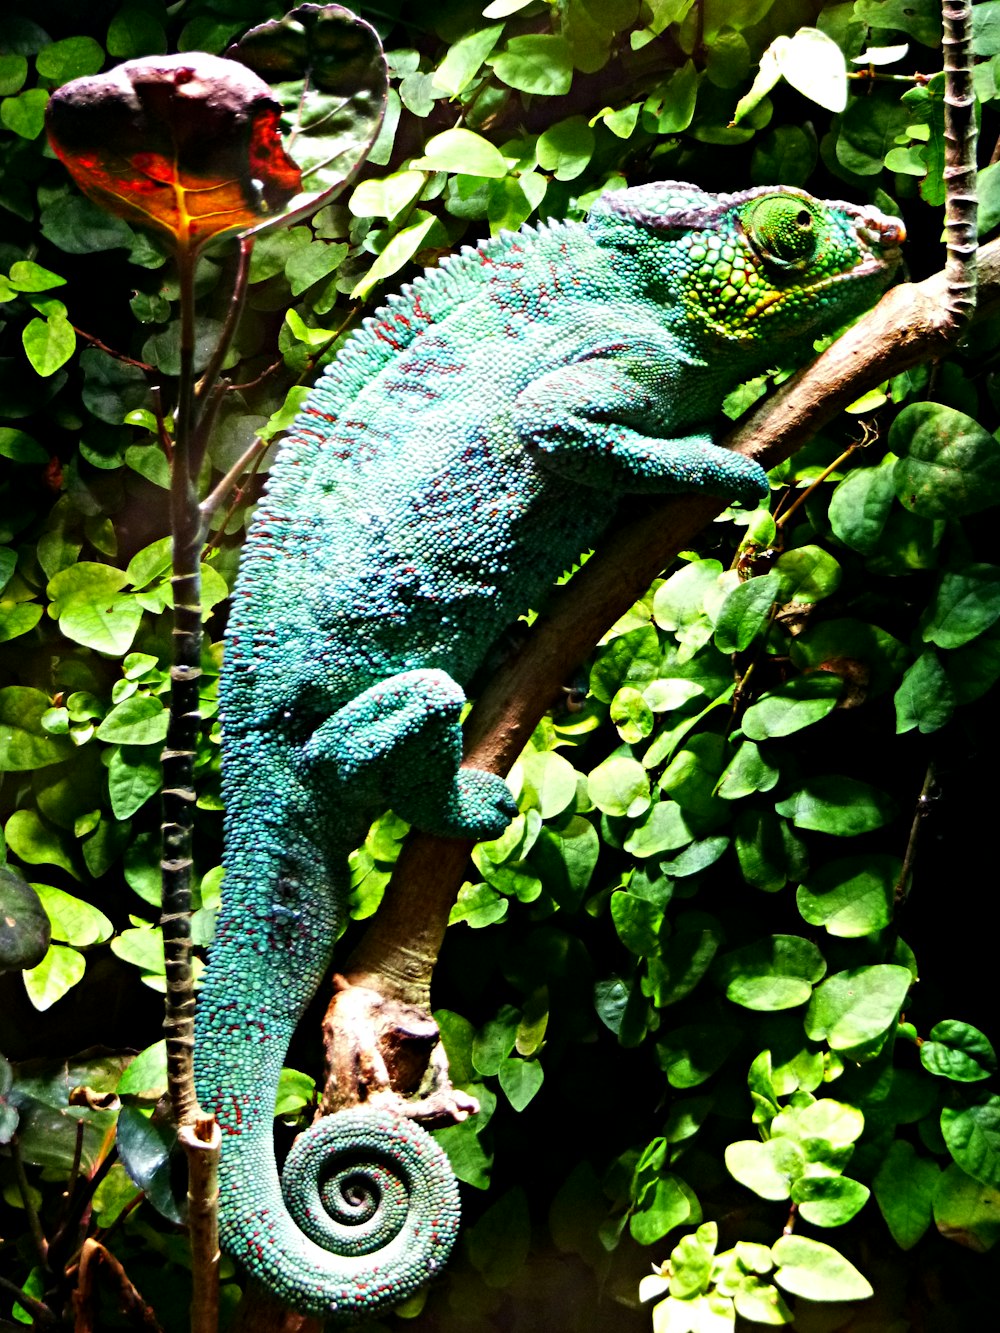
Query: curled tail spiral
x=372 y=1213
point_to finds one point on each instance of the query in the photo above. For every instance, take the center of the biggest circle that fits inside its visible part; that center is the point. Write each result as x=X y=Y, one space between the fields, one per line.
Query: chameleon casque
x=467 y=444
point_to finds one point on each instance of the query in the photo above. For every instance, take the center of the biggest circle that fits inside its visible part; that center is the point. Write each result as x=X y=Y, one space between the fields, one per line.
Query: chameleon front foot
x=399 y=743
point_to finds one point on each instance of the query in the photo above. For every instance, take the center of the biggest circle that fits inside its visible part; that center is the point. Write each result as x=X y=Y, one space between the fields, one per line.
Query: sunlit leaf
x=185 y=144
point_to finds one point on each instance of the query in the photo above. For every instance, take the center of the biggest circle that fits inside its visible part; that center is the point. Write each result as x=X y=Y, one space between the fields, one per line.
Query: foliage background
x=680 y=889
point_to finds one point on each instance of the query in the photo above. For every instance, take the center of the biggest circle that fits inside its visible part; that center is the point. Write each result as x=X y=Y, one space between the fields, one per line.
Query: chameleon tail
x=367 y=1209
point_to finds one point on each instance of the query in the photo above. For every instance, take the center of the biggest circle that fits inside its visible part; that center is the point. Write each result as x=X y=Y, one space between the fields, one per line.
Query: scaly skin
x=467 y=444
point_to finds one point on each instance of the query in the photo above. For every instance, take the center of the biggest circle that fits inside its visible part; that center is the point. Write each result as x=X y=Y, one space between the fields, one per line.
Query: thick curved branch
x=910 y=325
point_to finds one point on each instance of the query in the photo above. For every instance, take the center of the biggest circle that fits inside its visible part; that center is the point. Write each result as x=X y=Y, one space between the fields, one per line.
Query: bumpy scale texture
x=466 y=445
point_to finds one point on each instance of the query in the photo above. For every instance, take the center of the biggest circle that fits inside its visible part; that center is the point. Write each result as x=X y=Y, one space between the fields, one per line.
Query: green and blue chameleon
x=468 y=443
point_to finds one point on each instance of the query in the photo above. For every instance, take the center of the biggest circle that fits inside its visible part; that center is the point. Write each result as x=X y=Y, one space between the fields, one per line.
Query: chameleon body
x=463 y=449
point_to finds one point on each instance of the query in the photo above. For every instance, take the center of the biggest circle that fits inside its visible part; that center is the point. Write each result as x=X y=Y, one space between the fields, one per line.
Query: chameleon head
x=752 y=268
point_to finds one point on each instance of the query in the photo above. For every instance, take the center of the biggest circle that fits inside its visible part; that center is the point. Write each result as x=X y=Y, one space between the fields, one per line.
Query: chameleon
x=466 y=445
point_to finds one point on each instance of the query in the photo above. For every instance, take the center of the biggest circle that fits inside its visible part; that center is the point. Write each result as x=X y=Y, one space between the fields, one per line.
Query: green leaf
x=966 y=1210
x=619 y=786
x=72 y=58
x=808 y=574
x=842 y=806
x=925 y=699
x=972 y=1133
x=145 y=1144
x=146 y=1075
x=25 y=933
x=777 y=972
x=749 y=771
x=760 y=1303
x=857 y=1007
x=745 y=613
x=816 y=1271
x=637 y=923
x=829 y=1201
x=966 y=603
x=663 y=830
x=133 y=32
x=134 y=775
x=949 y=465
x=536 y=63
x=84 y=599
x=141 y=719
x=24 y=742
x=904 y=1189
x=665 y=1206
x=49 y=343
x=13 y=72
x=690 y=1054
x=851 y=897
x=860 y=505
x=958 y=1051
x=464 y=59
x=73 y=921
x=769 y=1169
x=798 y=703
x=58 y=972
x=403 y=246
x=22 y=448
x=464 y=152
x=566 y=148
x=24 y=115
x=296 y=1091
x=520 y=1080
x=36 y=842
x=27 y=276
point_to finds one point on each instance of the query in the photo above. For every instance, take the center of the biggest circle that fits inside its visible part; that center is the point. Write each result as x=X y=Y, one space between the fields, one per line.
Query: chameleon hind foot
x=399 y=743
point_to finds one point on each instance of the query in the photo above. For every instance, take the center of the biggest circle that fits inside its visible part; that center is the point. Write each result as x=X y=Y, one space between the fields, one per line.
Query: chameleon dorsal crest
x=467 y=444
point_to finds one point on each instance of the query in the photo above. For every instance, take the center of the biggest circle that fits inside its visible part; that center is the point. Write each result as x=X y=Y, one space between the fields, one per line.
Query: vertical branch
x=960 y=162
x=182 y=731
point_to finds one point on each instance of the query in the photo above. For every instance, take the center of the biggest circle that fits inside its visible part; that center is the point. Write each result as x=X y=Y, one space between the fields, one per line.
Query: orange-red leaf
x=187 y=144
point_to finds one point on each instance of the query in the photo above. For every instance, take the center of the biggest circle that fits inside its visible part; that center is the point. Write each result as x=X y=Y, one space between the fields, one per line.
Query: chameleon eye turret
x=782 y=230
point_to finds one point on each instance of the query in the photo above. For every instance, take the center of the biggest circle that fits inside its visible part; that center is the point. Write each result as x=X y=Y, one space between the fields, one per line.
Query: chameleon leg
x=606 y=423
x=399 y=743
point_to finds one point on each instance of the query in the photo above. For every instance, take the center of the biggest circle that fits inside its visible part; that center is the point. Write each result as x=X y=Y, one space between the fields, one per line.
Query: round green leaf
x=958 y=1051
x=808 y=574
x=566 y=148
x=665 y=1206
x=73 y=921
x=84 y=598
x=949 y=465
x=38 y=843
x=842 y=806
x=850 y=897
x=536 y=63
x=690 y=1054
x=58 y=972
x=816 y=1271
x=72 y=58
x=829 y=1201
x=859 y=1006
x=769 y=1169
x=619 y=786
x=925 y=699
x=778 y=972
x=663 y=830
x=48 y=343
x=145 y=1144
x=520 y=1080
x=24 y=115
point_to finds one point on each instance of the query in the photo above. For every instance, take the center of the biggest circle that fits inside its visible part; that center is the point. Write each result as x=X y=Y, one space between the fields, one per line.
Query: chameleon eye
x=781 y=229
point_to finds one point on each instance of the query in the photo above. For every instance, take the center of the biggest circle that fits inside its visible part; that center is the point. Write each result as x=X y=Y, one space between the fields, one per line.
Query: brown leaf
x=187 y=144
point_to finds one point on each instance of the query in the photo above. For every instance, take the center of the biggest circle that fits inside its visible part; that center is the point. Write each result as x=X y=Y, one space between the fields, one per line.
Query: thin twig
x=921 y=810
x=34 y=1224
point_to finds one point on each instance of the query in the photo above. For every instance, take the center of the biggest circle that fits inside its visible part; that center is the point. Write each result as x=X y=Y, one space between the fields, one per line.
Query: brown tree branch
x=911 y=324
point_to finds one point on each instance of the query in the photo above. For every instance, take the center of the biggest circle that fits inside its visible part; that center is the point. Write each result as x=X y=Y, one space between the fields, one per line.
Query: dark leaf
x=24 y=926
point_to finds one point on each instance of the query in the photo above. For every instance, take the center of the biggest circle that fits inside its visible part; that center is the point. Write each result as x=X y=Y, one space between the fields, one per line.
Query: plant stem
x=182 y=731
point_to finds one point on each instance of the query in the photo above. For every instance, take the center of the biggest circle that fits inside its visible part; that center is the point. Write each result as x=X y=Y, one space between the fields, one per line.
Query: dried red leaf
x=187 y=144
